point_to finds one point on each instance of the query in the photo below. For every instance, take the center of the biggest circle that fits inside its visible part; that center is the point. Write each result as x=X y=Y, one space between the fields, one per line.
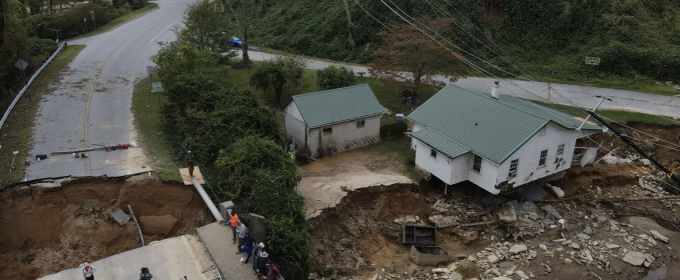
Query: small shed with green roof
x=493 y=140
x=334 y=120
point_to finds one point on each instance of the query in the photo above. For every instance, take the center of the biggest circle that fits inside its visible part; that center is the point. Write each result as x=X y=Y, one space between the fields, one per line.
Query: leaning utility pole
x=625 y=139
x=349 y=23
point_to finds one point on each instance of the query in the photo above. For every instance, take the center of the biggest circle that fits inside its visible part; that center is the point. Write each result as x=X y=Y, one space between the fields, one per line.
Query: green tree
x=262 y=176
x=335 y=77
x=411 y=56
x=276 y=73
x=205 y=27
x=15 y=38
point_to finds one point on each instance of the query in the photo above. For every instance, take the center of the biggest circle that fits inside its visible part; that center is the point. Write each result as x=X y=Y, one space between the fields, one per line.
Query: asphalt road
x=582 y=96
x=91 y=104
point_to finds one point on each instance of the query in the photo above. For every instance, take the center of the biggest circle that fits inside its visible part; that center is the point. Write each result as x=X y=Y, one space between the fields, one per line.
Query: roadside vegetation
x=15 y=135
x=235 y=137
x=613 y=116
x=637 y=41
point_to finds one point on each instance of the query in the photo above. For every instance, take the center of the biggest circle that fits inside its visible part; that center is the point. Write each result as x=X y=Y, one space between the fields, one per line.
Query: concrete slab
x=167 y=259
x=217 y=238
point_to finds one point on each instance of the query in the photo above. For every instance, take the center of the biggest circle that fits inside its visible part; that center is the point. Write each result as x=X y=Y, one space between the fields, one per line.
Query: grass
x=614 y=82
x=16 y=133
x=162 y=155
x=398 y=152
x=624 y=117
x=134 y=14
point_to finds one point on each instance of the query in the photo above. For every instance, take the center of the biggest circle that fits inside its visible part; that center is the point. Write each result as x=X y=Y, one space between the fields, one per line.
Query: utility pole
x=349 y=16
x=594 y=109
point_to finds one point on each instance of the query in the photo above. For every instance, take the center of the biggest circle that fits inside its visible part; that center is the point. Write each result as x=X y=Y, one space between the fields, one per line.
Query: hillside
x=638 y=40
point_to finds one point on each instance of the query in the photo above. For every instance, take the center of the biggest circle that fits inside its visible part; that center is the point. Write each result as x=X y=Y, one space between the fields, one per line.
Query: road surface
x=582 y=96
x=91 y=104
x=166 y=259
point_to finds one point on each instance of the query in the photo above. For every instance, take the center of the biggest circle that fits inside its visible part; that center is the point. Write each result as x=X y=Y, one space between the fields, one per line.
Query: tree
x=277 y=73
x=245 y=62
x=205 y=27
x=335 y=77
x=410 y=56
x=15 y=38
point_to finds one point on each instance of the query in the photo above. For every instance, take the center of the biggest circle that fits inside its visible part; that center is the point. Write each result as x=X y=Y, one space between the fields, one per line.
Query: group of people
x=262 y=266
x=88 y=272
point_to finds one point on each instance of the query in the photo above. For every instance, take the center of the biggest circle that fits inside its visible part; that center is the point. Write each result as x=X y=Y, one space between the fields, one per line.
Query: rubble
x=518 y=248
x=658 y=236
x=634 y=258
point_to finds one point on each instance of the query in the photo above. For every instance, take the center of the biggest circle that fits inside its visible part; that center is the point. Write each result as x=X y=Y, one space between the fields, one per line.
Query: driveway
x=582 y=96
x=91 y=104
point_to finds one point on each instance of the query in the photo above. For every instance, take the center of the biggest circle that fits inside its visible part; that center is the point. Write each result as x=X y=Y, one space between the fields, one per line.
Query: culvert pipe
x=208 y=201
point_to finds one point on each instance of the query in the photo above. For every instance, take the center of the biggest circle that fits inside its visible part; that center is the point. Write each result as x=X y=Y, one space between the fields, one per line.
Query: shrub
x=392 y=129
x=41 y=46
x=335 y=77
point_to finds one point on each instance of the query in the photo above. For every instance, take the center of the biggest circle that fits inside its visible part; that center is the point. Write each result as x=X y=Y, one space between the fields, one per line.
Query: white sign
x=21 y=64
x=156 y=87
x=592 y=60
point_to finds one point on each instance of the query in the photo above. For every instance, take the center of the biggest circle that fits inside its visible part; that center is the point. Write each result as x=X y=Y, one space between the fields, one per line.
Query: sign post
x=85 y=21
x=92 y=16
x=21 y=64
x=157 y=88
x=594 y=61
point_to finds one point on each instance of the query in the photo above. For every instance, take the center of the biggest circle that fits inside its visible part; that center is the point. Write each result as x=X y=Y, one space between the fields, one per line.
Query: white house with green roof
x=494 y=141
x=334 y=120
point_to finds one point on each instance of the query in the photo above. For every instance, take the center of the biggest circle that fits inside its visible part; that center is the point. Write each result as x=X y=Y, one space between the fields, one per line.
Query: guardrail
x=16 y=99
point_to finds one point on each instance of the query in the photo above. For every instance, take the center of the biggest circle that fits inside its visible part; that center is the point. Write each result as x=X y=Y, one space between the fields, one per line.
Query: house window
x=477 y=164
x=513 y=168
x=328 y=131
x=560 y=150
x=433 y=153
x=544 y=155
x=361 y=124
x=542 y=131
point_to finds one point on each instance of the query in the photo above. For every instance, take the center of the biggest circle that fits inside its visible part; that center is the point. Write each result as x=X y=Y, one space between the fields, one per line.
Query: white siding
x=486 y=178
x=346 y=135
x=529 y=155
x=294 y=124
x=460 y=169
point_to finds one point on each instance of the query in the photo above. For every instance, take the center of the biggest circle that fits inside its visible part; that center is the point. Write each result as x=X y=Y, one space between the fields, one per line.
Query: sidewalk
x=217 y=238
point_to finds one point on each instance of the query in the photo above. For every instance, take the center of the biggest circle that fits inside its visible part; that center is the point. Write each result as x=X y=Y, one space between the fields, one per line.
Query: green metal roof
x=337 y=105
x=458 y=119
x=442 y=144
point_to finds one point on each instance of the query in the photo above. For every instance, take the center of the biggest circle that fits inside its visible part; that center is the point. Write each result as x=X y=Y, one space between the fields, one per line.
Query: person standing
x=249 y=244
x=88 y=271
x=241 y=230
x=262 y=262
x=273 y=272
x=234 y=223
x=191 y=162
x=256 y=255
x=146 y=274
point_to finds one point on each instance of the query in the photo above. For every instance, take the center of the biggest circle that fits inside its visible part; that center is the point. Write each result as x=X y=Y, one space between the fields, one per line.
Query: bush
x=335 y=77
x=40 y=46
x=392 y=129
x=410 y=157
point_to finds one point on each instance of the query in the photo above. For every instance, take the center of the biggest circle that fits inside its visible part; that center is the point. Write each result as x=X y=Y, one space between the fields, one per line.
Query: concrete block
x=419 y=235
x=429 y=255
x=258 y=227
x=225 y=209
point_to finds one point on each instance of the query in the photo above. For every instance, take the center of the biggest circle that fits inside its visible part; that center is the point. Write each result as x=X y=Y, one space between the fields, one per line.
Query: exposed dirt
x=359 y=237
x=49 y=229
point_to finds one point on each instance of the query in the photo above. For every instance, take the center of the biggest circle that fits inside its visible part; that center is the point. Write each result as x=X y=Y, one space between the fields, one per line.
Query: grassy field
x=641 y=85
x=16 y=132
x=615 y=116
x=161 y=154
x=120 y=20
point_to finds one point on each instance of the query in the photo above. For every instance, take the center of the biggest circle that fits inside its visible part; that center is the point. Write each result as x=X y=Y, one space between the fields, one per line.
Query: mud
x=46 y=229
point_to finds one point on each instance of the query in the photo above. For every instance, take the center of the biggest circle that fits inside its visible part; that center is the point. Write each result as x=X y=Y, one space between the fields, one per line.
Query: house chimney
x=494 y=89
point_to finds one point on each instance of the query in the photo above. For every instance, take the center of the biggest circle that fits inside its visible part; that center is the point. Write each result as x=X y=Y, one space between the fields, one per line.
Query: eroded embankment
x=49 y=227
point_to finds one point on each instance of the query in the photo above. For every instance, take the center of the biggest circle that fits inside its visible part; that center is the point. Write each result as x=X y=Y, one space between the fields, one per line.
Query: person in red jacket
x=88 y=271
x=273 y=272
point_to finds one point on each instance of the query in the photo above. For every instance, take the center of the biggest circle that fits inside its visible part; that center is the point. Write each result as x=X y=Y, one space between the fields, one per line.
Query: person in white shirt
x=88 y=271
